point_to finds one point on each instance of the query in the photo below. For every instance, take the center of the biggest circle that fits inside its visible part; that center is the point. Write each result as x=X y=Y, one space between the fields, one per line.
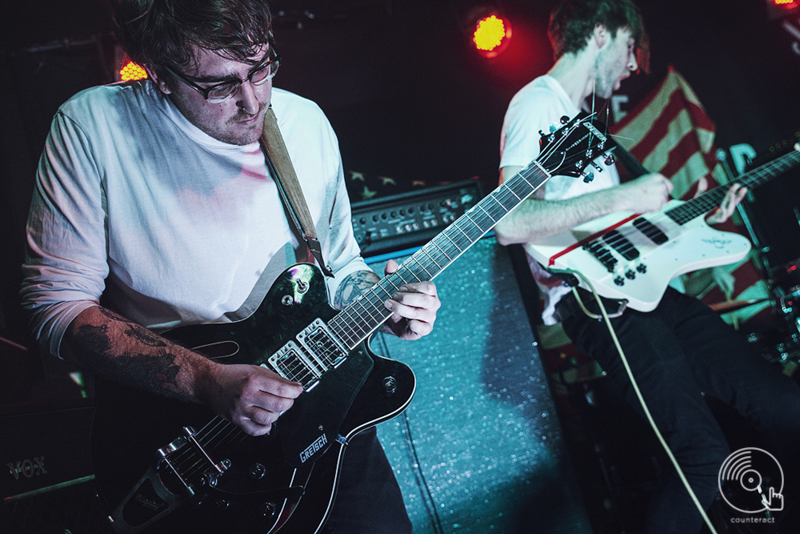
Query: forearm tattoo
x=352 y=287
x=154 y=369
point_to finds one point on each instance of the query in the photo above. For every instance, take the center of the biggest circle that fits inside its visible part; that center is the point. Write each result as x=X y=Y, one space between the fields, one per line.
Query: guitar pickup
x=293 y=364
x=322 y=345
x=621 y=244
x=651 y=231
x=316 y=352
x=603 y=255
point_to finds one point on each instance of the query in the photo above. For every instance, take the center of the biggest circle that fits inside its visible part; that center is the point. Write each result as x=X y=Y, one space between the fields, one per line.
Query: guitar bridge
x=152 y=497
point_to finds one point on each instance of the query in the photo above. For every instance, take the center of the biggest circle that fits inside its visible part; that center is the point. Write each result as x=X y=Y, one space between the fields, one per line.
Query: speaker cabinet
x=775 y=211
x=480 y=448
x=48 y=484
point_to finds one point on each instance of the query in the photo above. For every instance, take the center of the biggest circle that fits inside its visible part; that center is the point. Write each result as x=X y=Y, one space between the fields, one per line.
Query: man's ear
x=159 y=81
x=600 y=35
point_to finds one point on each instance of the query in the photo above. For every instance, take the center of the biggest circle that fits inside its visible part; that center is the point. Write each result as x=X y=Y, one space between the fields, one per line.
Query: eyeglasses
x=220 y=92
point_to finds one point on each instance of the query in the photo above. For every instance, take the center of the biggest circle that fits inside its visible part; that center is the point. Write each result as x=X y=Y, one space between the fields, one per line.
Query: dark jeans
x=369 y=499
x=678 y=352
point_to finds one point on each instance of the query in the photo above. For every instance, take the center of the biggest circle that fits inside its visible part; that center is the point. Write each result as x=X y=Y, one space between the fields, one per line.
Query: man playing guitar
x=681 y=350
x=156 y=195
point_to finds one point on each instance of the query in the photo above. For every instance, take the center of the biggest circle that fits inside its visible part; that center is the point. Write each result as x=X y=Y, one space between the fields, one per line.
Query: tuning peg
x=587 y=177
x=609 y=159
x=564 y=119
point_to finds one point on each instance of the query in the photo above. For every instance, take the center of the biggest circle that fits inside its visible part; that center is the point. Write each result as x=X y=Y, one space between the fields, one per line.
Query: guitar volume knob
x=389 y=385
x=267 y=509
x=257 y=471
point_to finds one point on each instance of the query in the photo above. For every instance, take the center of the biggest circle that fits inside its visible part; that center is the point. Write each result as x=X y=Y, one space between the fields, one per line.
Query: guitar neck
x=712 y=199
x=357 y=321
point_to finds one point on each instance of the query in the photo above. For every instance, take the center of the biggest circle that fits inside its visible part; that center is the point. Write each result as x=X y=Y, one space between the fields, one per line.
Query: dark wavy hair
x=573 y=21
x=158 y=33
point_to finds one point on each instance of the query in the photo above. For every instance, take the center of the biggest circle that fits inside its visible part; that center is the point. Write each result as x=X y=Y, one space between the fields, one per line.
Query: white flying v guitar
x=633 y=256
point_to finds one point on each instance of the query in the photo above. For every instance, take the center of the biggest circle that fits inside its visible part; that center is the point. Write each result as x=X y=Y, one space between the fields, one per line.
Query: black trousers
x=678 y=353
x=369 y=499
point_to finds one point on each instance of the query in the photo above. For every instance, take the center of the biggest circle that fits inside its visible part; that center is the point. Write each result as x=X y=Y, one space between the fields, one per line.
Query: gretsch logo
x=314 y=447
x=28 y=468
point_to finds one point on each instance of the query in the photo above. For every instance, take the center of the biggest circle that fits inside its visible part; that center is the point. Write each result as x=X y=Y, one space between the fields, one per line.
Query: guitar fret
x=457 y=227
x=499 y=205
x=424 y=269
x=433 y=243
x=439 y=267
x=487 y=213
x=513 y=193
x=709 y=200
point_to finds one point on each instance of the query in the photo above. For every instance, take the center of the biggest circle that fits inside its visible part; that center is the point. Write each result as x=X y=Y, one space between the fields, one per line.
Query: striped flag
x=669 y=132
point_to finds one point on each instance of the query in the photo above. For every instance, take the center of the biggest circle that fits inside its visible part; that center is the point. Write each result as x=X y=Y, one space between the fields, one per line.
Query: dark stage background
x=412 y=104
x=407 y=96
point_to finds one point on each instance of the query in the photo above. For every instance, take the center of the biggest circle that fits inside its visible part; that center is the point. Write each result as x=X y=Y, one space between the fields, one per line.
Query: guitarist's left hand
x=732 y=199
x=413 y=308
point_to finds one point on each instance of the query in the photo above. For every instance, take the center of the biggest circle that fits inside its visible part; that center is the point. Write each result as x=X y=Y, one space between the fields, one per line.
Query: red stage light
x=491 y=35
x=786 y=4
x=131 y=71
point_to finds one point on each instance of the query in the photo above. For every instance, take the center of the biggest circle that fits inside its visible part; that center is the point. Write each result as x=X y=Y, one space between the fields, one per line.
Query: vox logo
x=28 y=468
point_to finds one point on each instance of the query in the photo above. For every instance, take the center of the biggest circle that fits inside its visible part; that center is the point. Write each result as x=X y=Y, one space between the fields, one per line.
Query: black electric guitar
x=169 y=466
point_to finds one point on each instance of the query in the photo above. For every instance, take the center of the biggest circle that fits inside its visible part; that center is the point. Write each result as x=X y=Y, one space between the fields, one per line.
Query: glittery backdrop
x=480 y=448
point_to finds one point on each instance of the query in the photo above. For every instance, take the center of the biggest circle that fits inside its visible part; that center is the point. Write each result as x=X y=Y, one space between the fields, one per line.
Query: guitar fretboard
x=709 y=200
x=368 y=312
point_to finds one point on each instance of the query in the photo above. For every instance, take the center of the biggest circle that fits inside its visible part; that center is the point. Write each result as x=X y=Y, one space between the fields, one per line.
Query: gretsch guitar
x=168 y=466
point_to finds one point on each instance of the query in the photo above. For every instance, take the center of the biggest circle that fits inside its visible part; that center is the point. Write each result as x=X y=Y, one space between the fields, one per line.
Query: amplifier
x=44 y=451
x=406 y=220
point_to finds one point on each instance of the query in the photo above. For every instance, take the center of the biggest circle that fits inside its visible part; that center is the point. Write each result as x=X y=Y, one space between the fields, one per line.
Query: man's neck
x=575 y=74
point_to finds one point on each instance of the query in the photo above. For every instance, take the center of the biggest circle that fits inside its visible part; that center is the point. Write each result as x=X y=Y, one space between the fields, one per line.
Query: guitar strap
x=280 y=166
x=631 y=164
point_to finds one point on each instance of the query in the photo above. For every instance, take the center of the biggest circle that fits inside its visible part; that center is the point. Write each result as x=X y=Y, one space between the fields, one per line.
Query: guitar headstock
x=570 y=149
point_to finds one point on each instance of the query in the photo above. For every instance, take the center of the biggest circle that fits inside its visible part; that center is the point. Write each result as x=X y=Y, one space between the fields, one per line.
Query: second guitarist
x=678 y=352
x=156 y=196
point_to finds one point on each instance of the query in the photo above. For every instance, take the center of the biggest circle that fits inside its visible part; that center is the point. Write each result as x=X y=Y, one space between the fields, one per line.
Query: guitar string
x=190 y=462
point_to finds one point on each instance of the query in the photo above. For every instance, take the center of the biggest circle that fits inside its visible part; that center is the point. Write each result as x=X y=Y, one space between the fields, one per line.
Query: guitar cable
x=411 y=449
x=612 y=332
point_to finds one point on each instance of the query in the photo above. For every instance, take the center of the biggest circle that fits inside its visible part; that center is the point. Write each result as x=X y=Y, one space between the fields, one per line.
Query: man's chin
x=250 y=135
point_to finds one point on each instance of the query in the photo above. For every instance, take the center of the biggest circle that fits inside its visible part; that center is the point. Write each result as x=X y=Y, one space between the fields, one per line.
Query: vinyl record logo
x=751 y=481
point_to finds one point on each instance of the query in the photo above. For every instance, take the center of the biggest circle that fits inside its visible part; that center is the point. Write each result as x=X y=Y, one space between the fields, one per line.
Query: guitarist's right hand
x=250 y=396
x=646 y=193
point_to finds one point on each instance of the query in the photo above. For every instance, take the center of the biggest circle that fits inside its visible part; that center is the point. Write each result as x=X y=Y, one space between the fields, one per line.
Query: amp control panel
x=410 y=219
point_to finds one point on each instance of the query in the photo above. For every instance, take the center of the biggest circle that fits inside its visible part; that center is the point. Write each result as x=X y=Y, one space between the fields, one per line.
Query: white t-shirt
x=537 y=106
x=182 y=225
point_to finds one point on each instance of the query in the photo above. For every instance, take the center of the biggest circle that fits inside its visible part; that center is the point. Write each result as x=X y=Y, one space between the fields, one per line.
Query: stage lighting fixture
x=491 y=35
x=131 y=71
x=785 y=4
x=488 y=30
